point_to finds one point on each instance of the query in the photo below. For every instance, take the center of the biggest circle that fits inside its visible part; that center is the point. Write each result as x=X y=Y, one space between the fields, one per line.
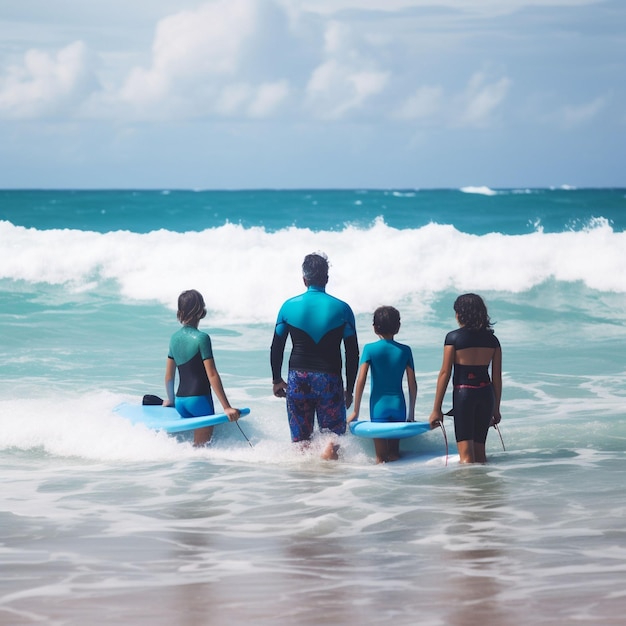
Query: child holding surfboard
x=469 y=352
x=390 y=361
x=190 y=351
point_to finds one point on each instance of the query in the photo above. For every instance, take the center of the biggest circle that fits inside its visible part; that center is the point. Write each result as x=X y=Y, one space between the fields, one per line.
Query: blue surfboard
x=388 y=430
x=167 y=418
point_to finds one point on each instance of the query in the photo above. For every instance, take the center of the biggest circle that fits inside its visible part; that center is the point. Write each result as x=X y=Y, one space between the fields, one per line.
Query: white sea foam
x=84 y=426
x=484 y=191
x=244 y=272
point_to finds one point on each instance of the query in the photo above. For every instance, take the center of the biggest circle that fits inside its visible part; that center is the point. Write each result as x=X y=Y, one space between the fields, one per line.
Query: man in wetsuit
x=317 y=323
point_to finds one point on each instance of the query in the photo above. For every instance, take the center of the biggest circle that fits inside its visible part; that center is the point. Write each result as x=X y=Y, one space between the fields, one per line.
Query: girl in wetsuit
x=191 y=352
x=471 y=349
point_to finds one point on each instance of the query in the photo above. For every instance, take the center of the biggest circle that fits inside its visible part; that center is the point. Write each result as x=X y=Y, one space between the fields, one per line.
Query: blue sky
x=312 y=93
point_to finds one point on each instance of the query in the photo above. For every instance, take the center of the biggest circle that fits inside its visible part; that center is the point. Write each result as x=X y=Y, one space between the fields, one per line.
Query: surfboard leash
x=499 y=433
x=445 y=438
x=450 y=413
x=244 y=434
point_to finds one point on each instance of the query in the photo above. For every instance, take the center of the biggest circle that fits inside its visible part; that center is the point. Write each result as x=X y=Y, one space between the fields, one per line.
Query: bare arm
x=442 y=384
x=358 y=391
x=351 y=346
x=496 y=379
x=412 y=383
x=170 y=374
x=218 y=388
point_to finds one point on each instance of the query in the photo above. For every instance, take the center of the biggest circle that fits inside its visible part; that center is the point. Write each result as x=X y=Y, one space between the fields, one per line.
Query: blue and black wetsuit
x=473 y=397
x=189 y=348
x=388 y=361
x=317 y=323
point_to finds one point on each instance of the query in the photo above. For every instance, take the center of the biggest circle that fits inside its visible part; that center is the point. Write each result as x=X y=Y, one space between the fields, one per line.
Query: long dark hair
x=472 y=312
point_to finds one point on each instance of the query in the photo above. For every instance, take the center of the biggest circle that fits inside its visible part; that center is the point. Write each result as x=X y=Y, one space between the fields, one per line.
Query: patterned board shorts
x=310 y=393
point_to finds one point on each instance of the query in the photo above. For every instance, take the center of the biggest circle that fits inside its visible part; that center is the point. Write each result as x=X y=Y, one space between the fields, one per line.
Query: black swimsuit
x=473 y=396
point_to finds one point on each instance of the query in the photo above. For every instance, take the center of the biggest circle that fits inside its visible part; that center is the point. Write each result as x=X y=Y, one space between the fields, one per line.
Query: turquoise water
x=102 y=521
x=476 y=210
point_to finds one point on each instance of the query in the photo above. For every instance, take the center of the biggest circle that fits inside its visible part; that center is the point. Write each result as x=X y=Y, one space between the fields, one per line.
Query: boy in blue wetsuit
x=190 y=351
x=470 y=350
x=390 y=361
x=318 y=324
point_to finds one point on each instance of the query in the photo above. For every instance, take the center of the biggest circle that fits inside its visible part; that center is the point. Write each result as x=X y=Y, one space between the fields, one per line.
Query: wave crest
x=245 y=273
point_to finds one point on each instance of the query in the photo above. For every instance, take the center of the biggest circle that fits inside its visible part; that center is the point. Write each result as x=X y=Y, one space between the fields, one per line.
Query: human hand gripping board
x=167 y=418
x=388 y=430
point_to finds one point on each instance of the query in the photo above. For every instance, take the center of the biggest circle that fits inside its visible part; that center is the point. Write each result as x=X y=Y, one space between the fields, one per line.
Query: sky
x=250 y=94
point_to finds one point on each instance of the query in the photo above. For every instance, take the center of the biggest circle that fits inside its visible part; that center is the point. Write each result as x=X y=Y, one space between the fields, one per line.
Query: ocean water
x=104 y=522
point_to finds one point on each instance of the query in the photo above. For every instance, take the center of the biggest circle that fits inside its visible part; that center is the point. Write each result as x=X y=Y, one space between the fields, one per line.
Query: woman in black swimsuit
x=471 y=349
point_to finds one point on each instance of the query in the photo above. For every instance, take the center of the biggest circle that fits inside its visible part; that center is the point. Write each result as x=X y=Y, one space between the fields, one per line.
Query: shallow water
x=536 y=536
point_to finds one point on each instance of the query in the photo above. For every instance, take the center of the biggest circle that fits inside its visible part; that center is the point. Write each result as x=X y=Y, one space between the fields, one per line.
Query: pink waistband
x=479 y=386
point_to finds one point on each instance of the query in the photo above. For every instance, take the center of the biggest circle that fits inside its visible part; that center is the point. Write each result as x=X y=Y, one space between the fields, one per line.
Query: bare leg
x=480 y=456
x=393 y=449
x=330 y=452
x=202 y=435
x=471 y=452
x=466 y=451
x=380 y=447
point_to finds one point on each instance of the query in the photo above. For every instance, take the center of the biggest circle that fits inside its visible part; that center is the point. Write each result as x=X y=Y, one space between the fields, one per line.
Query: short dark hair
x=191 y=308
x=315 y=269
x=472 y=312
x=386 y=320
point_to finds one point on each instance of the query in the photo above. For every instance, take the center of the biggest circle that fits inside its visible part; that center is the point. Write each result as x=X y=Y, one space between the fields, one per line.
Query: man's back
x=317 y=323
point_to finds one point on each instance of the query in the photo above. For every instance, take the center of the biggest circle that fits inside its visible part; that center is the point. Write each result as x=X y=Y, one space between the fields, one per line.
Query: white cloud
x=227 y=58
x=494 y=7
x=232 y=99
x=189 y=49
x=268 y=98
x=574 y=116
x=336 y=88
x=425 y=102
x=223 y=58
x=347 y=77
x=44 y=83
x=336 y=37
x=254 y=58
x=480 y=100
x=474 y=107
x=205 y=41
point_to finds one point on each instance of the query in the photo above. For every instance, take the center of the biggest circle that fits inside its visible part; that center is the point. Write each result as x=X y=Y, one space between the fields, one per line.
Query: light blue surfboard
x=167 y=418
x=388 y=430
